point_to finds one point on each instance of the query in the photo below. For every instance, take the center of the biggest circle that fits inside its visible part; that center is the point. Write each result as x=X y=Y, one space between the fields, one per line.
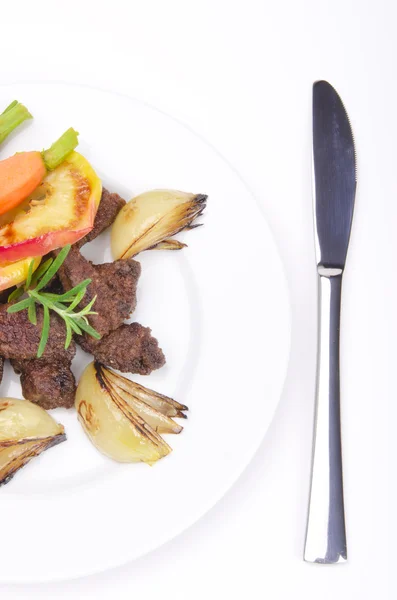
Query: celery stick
x=59 y=150
x=13 y=115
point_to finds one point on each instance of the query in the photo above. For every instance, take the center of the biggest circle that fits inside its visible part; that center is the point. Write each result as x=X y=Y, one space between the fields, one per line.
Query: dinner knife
x=334 y=189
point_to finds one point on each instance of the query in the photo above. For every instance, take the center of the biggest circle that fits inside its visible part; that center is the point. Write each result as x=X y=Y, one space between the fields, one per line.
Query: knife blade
x=334 y=189
x=334 y=173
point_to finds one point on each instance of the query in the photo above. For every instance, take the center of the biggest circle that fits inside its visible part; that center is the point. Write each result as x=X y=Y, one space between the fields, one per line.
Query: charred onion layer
x=148 y=220
x=124 y=419
x=26 y=430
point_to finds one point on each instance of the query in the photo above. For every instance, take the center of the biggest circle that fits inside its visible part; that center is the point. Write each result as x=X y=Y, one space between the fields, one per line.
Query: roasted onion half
x=124 y=419
x=26 y=430
x=149 y=220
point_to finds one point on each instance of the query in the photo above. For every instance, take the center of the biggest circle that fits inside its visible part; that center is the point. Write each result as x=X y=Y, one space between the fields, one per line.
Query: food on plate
x=108 y=210
x=54 y=286
x=51 y=204
x=120 y=421
x=64 y=305
x=169 y=245
x=60 y=150
x=60 y=211
x=16 y=272
x=163 y=405
x=26 y=430
x=19 y=175
x=112 y=284
x=130 y=348
x=20 y=338
x=13 y=116
x=48 y=382
x=151 y=218
x=22 y=173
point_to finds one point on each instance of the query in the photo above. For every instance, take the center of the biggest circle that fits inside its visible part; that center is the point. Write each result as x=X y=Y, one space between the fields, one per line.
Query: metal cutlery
x=334 y=189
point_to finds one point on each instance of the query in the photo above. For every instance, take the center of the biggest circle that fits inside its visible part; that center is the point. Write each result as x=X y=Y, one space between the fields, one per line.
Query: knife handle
x=326 y=534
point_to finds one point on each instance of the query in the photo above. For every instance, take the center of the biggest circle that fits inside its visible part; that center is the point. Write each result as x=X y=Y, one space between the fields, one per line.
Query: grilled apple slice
x=59 y=212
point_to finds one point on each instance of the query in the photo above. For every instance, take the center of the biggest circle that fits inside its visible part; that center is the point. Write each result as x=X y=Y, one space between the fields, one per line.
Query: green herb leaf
x=70 y=294
x=87 y=309
x=32 y=313
x=68 y=334
x=40 y=298
x=17 y=293
x=78 y=298
x=45 y=330
x=20 y=305
x=83 y=324
x=62 y=304
x=30 y=273
x=41 y=270
x=49 y=274
x=75 y=327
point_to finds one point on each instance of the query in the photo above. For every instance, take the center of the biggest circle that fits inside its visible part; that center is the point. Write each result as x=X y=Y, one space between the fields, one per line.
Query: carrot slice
x=22 y=173
x=19 y=176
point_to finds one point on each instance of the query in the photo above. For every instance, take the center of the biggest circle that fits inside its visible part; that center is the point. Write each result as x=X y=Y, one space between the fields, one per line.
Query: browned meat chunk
x=108 y=209
x=49 y=381
x=4 y=295
x=20 y=339
x=1 y=368
x=130 y=349
x=50 y=384
x=54 y=286
x=114 y=284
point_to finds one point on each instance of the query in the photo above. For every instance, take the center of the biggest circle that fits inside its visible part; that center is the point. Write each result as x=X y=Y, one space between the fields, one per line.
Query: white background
x=240 y=73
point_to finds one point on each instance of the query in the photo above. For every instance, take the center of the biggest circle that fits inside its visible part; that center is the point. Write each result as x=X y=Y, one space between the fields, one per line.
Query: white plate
x=220 y=311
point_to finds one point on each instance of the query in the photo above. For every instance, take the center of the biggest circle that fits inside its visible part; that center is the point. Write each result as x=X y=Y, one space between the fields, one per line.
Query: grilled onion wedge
x=150 y=219
x=123 y=419
x=26 y=430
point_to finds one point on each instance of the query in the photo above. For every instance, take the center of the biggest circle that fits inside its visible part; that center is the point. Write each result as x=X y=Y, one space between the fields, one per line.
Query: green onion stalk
x=13 y=116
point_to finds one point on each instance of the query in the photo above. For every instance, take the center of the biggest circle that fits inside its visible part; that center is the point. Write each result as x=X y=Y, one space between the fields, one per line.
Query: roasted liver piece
x=48 y=383
x=114 y=284
x=130 y=348
x=19 y=339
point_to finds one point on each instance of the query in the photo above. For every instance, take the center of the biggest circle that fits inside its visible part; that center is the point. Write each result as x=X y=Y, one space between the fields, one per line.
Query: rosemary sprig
x=63 y=305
